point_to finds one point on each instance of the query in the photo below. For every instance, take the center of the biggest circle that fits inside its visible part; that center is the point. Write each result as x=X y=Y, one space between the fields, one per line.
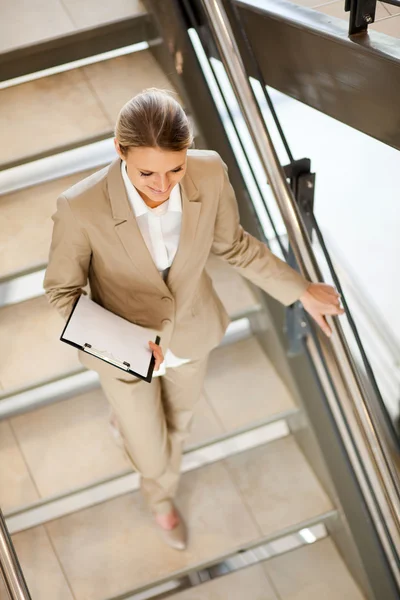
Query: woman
x=141 y=230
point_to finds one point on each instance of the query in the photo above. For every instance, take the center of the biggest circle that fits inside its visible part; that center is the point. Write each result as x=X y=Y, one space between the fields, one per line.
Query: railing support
x=9 y=565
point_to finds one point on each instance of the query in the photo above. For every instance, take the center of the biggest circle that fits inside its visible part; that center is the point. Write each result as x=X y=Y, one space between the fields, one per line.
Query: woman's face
x=154 y=172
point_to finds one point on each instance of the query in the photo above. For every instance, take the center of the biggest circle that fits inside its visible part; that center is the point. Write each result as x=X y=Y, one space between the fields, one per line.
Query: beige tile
x=114 y=547
x=23 y=22
x=390 y=26
x=30 y=348
x=311 y=573
x=278 y=485
x=116 y=81
x=16 y=485
x=62 y=110
x=205 y=424
x=243 y=387
x=69 y=444
x=235 y=293
x=26 y=225
x=250 y=583
x=392 y=10
x=336 y=9
x=91 y=12
x=39 y=564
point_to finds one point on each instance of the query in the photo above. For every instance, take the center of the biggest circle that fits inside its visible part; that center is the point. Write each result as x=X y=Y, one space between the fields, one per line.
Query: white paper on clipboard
x=110 y=335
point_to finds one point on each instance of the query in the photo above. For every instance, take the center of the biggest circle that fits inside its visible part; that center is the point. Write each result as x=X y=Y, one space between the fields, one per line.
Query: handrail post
x=9 y=565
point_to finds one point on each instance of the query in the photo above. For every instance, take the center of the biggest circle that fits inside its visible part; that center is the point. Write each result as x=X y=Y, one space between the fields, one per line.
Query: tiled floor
x=42 y=571
x=71 y=107
x=67 y=445
x=243 y=386
x=16 y=486
x=247 y=584
x=30 y=349
x=385 y=17
x=113 y=547
x=311 y=573
x=278 y=485
x=314 y=572
x=25 y=22
x=62 y=110
x=91 y=12
x=116 y=81
x=26 y=225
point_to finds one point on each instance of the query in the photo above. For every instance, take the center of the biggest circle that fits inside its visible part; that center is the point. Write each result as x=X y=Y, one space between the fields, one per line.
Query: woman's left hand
x=158 y=354
x=321 y=299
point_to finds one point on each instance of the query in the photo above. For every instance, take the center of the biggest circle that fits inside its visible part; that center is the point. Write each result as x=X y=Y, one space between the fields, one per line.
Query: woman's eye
x=148 y=174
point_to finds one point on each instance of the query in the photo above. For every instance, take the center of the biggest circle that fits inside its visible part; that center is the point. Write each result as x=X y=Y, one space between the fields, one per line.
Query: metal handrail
x=362 y=433
x=9 y=566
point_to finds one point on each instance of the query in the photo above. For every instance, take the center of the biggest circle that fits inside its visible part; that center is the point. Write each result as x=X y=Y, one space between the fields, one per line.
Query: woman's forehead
x=155 y=159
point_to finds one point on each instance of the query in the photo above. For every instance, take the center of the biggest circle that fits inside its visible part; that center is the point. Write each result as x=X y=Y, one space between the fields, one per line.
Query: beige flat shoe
x=177 y=537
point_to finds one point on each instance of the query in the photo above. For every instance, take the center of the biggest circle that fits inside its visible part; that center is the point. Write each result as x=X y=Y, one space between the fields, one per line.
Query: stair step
x=113 y=548
x=73 y=108
x=26 y=225
x=312 y=572
x=69 y=445
x=23 y=24
x=30 y=349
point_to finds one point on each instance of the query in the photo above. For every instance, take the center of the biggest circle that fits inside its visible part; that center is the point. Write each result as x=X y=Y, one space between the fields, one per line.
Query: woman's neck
x=150 y=203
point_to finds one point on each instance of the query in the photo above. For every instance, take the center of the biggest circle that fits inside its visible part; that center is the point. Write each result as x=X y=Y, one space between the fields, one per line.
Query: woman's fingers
x=323 y=324
x=320 y=300
x=158 y=354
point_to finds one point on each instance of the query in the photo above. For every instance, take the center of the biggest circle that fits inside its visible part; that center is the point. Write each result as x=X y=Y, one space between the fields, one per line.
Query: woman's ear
x=117 y=148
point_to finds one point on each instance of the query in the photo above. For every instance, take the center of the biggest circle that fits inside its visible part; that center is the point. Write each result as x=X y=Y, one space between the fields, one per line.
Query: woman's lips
x=158 y=192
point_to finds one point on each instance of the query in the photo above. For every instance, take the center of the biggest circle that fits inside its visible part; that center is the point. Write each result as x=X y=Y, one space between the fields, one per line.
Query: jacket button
x=166 y=321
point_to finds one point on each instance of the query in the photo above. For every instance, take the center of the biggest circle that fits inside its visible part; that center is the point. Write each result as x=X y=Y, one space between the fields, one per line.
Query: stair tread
x=26 y=225
x=74 y=106
x=30 y=349
x=308 y=573
x=40 y=20
x=112 y=548
x=51 y=442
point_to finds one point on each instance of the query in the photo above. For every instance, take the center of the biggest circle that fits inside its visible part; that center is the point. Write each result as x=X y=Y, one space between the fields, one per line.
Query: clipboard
x=110 y=338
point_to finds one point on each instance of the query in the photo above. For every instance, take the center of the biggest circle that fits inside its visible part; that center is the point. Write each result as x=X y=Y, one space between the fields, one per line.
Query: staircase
x=259 y=517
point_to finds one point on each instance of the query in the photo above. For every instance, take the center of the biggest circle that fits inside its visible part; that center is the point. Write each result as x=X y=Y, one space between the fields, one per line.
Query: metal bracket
x=296 y=328
x=362 y=14
x=302 y=183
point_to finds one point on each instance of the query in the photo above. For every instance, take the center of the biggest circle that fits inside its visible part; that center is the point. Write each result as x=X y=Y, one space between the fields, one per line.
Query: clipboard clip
x=109 y=358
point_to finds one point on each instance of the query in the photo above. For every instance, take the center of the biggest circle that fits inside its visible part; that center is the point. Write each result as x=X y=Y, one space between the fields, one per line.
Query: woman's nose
x=161 y=183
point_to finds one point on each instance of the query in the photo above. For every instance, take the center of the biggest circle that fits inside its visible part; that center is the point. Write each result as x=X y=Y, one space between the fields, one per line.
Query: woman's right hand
x=158 y=354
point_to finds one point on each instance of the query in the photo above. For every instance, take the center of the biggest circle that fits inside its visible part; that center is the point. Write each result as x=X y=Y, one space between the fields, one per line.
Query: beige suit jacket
x=96 y=238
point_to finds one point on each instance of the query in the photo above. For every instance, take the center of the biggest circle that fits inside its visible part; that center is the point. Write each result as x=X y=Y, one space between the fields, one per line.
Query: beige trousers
x=155 y=419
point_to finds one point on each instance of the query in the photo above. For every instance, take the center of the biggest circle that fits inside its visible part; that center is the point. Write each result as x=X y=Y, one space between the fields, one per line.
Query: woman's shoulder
x=200 y=160
x=203 y=156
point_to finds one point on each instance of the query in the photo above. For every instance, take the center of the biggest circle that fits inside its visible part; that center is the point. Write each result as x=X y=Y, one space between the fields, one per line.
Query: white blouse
x=160 y=228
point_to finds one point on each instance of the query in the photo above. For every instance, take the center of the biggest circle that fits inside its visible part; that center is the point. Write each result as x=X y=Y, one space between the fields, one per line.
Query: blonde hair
x=153 y=119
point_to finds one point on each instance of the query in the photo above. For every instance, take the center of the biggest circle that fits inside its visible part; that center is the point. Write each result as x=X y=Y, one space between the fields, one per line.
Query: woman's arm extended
x=69 y=259
x=256 y=262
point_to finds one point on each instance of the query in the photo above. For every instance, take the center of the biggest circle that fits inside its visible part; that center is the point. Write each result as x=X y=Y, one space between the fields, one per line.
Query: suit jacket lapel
x=129 y=233
x=190 y=217
x=128 y=230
